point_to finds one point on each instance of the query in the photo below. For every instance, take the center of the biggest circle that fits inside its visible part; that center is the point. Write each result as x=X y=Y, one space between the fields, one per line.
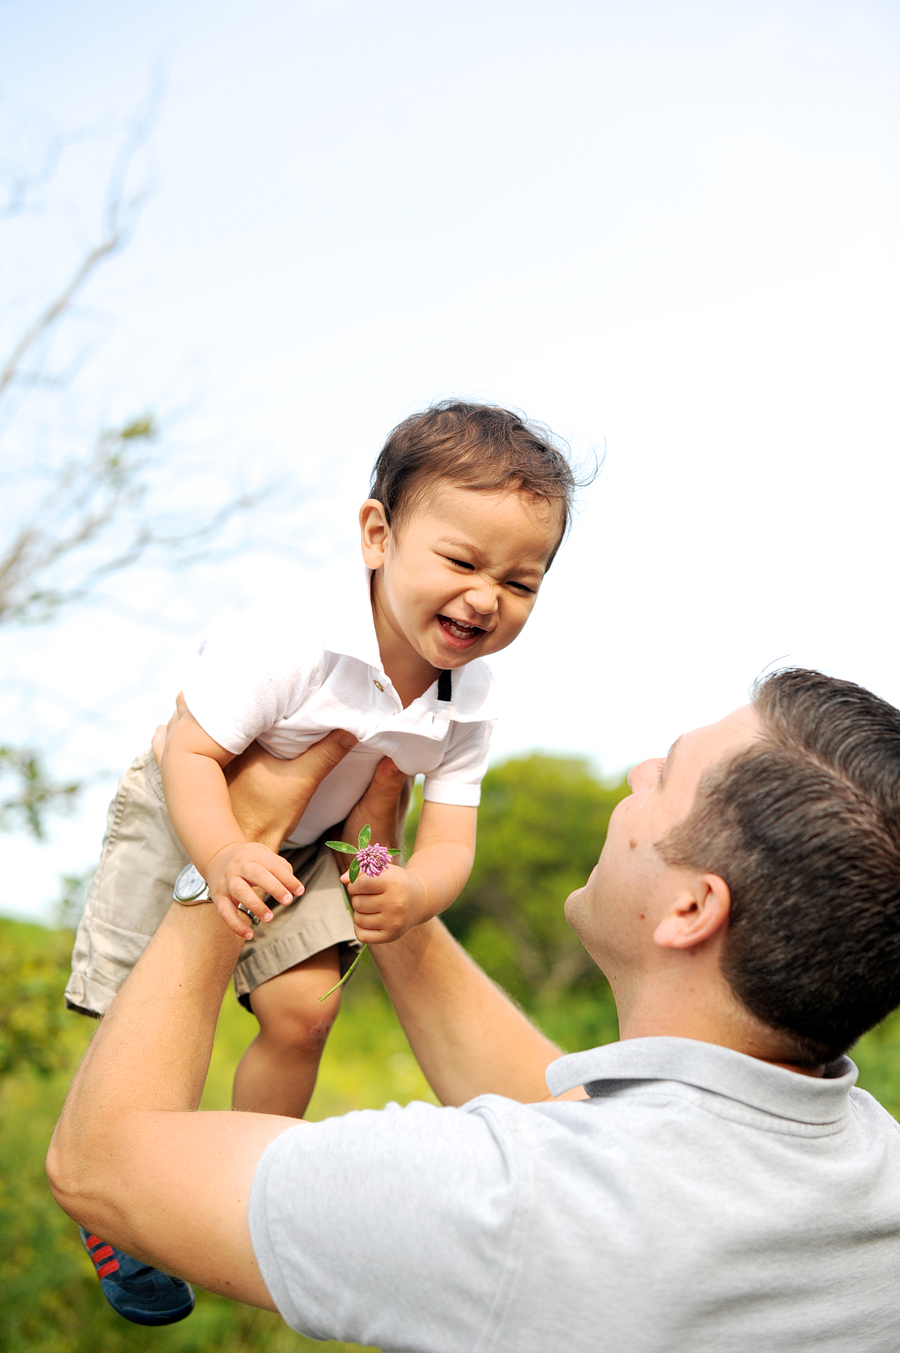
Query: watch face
x=190 y=886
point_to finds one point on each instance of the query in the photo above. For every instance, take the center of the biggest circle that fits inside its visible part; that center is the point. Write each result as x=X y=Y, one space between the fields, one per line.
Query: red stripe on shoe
x=105 y=1269
x=105 y=1252
x=92 y=1241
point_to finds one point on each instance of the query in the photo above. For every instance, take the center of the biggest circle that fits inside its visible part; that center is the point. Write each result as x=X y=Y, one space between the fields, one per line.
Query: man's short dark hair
x=804 y=827
x=475 y=446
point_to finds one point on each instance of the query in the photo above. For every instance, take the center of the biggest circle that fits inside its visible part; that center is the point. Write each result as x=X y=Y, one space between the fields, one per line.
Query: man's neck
x=706 y=1016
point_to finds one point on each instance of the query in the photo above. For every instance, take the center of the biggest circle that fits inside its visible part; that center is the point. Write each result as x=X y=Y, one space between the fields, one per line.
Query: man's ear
x=374 y=532
x=699 y=912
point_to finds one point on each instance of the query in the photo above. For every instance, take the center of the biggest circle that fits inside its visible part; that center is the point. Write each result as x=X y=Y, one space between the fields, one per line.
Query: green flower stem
x=365 y=838
x=346 y=974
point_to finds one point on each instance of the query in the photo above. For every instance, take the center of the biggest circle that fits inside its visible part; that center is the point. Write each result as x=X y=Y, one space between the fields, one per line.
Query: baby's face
x=459 y=578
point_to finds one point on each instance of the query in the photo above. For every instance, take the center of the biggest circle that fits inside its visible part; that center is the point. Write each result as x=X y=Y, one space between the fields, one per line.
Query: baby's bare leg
x=278 y=1071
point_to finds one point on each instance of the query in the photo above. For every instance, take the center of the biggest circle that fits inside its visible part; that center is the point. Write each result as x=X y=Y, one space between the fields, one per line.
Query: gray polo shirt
x=698 y=1202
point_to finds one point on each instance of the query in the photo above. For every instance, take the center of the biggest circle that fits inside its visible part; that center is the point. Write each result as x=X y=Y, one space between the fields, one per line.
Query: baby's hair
x=475 y=446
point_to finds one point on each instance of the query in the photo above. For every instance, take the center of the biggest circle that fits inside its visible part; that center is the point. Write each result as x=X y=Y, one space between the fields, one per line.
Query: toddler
x=468 y=506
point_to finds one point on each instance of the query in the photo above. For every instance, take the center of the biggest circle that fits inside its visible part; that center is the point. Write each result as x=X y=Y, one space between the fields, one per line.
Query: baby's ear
x=374 y=532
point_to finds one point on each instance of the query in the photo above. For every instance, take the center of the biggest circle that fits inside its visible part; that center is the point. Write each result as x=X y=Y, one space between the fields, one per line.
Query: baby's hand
x=235 y=872
x=384 y=908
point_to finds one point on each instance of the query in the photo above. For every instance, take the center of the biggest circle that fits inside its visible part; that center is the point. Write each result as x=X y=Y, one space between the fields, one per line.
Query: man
x=710 y=1182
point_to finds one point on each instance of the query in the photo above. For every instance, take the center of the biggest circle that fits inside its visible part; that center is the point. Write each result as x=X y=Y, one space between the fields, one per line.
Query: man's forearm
x=130 y=1157
x=468 y=1036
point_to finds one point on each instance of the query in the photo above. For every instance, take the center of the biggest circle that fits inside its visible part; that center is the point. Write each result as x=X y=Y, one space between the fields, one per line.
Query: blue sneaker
x=141 y=1294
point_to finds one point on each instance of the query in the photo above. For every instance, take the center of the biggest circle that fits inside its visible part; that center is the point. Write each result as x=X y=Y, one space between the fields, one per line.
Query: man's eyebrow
x=669 y=754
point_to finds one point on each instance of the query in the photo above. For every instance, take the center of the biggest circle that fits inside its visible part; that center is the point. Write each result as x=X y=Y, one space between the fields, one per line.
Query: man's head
x=804 y=826
x=775 y=836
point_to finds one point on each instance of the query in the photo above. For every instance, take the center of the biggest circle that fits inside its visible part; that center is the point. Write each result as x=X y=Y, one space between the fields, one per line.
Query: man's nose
x=643 y=775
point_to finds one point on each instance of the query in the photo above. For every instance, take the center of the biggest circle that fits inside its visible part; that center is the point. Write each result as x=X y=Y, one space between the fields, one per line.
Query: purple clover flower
x=368 y=858
x=373 y=860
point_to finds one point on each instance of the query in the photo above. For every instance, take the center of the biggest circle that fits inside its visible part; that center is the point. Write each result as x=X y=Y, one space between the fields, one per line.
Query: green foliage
x=541 y=825
x=33 y=1020
x=877 y=1055
x=35 y=793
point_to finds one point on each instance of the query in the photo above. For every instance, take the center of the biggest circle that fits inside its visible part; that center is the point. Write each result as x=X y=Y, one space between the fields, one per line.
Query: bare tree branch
x=120 y=215
x=103 y=509
x=22 y=183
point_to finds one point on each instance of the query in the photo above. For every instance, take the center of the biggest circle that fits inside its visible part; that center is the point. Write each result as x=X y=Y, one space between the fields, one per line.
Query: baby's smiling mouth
x=458 y=629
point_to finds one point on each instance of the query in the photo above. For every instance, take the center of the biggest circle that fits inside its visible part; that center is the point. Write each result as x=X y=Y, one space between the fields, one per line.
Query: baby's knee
x=298 y=1026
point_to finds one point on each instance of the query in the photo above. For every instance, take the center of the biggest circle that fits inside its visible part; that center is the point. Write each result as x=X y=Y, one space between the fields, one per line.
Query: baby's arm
x=387 y=906
x=192 y=767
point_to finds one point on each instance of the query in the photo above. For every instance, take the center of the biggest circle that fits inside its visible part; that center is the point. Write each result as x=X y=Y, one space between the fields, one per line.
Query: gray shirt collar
x=774 y=1090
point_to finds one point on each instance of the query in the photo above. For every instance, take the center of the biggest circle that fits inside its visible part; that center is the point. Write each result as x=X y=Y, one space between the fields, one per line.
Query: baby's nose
x=482 y=596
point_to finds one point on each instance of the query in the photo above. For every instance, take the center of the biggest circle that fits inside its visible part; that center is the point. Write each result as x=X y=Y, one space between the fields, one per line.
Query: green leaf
x=342 y=845
x=365 y=837
x=354 y=871
x=393 y=850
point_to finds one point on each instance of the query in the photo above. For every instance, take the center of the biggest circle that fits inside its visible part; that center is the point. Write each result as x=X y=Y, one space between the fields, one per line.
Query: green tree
x=541 y=825
x=33 y=1019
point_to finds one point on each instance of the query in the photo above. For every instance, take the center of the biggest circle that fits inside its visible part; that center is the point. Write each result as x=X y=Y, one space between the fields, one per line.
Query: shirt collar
x=773 y=1089
x=351 y=631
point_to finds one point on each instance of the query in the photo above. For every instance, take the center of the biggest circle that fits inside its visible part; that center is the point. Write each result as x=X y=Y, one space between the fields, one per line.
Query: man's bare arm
x=467 y=1035
x=268 y=796
x=131 y=1159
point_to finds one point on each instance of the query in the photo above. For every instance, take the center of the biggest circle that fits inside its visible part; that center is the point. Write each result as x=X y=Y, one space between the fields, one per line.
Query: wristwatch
x=191 y=887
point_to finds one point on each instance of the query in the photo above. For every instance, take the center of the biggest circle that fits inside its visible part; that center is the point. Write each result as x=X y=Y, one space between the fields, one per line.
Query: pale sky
x=666 y=229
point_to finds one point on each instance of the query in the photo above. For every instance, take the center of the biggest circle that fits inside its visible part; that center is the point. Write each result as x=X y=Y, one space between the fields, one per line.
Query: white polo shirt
x=286 y=683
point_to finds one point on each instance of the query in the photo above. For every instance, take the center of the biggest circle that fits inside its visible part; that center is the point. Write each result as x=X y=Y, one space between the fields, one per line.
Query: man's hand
x=383 y=807
x=384 y=908
x=160 y=737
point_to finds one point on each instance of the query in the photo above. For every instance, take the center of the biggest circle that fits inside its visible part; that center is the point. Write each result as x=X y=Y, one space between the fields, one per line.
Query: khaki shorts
x=132 y=891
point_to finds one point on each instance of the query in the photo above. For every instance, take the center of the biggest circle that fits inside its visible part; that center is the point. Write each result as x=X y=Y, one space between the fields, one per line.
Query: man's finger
x=158 y=741
x=311 y=766
x=383 y=805
x=160 y=737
